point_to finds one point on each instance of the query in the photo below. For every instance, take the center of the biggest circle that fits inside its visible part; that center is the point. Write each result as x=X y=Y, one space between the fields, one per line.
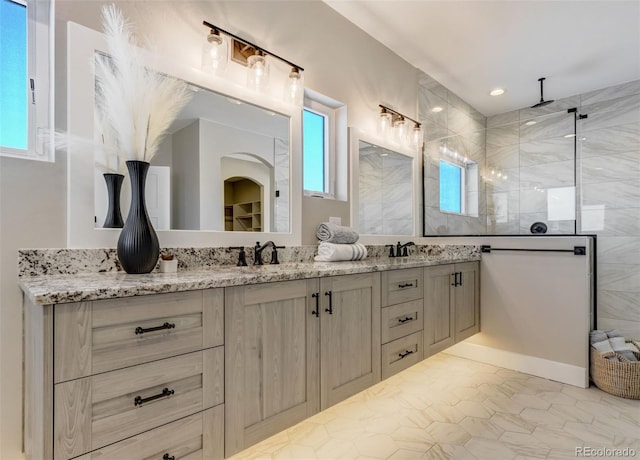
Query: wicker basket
x=619 y=379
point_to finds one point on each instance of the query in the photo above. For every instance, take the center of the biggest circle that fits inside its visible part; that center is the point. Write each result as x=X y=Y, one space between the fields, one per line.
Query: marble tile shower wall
x=609 y=177
x=452 y=125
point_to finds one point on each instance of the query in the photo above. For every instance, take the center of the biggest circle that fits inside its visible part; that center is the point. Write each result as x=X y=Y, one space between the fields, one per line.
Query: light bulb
x=214 y=53
x=384 y=123
x=258 y=72
x=295 y=87
x=416 y=137
x=400 y=130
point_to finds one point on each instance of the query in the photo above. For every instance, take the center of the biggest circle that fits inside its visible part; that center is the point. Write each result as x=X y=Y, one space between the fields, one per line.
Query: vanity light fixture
x=256 y=59
x=395 y=124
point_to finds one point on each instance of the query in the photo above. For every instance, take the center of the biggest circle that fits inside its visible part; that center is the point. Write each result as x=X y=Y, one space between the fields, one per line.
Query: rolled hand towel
x=331 y=252
x=332 y=233
x=622 y=348
x=600 y=342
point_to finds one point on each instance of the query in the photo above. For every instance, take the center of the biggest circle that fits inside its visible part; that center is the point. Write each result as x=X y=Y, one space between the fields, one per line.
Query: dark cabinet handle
x=405 y=285
x=139 y=400
x=404 y=320
x=316 y=312
x=168 y=457
x=330 y=309
x=455 y=279
x=140 y=330
x=405 y=354
x=460 y=279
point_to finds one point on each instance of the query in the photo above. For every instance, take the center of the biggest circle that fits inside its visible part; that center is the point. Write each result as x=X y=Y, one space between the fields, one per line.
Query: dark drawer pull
x=316 y=312
x=330 y=309
x=404 y=320
x=405 y=354
x=405 y=285
x=168 y=457
x=141 y=330
x=139 y=400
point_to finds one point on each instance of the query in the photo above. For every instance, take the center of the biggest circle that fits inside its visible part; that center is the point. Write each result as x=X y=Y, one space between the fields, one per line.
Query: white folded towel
x=333 y=233
x=331 y=252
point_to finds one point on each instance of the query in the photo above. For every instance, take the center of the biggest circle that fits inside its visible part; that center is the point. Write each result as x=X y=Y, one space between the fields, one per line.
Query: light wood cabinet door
x=467 y=300
x=438 y=308
x=350 y=336
x=272 y=359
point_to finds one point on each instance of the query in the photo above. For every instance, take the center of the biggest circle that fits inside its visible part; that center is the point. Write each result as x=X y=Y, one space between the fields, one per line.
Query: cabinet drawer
x=400 y=320
x=401 y=353
x=198 y=437
x=100 y=336
x=400 y=286
x=95 y=411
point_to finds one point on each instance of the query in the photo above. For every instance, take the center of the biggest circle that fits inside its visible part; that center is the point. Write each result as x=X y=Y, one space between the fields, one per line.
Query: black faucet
x=242 y=256
x=257 y=253
x=403 y=248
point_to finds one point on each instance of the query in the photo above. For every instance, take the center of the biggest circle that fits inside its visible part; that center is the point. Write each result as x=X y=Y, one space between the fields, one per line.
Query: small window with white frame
x=26 y=98
x=324 y=146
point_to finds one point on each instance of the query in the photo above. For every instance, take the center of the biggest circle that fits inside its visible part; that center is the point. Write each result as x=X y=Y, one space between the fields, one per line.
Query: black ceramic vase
x=114 y=215
x=138 y=247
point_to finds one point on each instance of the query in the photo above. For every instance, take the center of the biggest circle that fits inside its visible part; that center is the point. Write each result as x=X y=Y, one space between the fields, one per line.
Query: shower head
x=542 y=102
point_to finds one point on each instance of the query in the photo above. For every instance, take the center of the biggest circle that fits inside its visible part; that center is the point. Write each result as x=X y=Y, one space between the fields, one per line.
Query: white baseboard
x=552 y=370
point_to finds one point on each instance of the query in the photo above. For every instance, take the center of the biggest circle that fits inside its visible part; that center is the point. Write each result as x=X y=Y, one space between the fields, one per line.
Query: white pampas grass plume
x=105 y=153
x=138 y=103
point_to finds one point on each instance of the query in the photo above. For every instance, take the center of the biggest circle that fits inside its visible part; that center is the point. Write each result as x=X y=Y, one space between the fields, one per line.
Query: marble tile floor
x=452 y=408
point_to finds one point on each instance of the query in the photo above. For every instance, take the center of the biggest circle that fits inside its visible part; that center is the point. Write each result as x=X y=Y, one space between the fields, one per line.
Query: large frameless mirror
x=384 y=178
x=224 y=166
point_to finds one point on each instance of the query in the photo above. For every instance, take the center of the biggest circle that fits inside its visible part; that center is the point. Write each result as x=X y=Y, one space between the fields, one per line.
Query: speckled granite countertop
x=52 y=289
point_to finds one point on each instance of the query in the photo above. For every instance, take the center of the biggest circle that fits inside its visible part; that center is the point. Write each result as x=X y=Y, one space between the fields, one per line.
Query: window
x=25 y=76
x=13 y=74
x=324 y=147
x=451 y=187
x=315 y=152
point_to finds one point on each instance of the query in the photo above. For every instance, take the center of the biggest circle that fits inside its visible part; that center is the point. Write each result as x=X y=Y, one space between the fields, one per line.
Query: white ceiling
x=474 y=46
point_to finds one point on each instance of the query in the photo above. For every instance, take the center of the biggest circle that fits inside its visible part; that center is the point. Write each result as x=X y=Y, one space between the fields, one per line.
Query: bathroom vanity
x=204 y=364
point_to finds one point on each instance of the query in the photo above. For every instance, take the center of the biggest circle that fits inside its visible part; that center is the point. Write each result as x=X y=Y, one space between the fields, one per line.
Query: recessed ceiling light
x=530 y=123
x=496 y=92
x=568 y=136
x=436 y=109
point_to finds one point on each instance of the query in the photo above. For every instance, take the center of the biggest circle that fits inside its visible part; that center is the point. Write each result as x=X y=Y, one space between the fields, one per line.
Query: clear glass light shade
x=400 y=130
x=257 y=72
x=384 y=124
x=294 y=89
x=215 y=54
x=417 y=137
